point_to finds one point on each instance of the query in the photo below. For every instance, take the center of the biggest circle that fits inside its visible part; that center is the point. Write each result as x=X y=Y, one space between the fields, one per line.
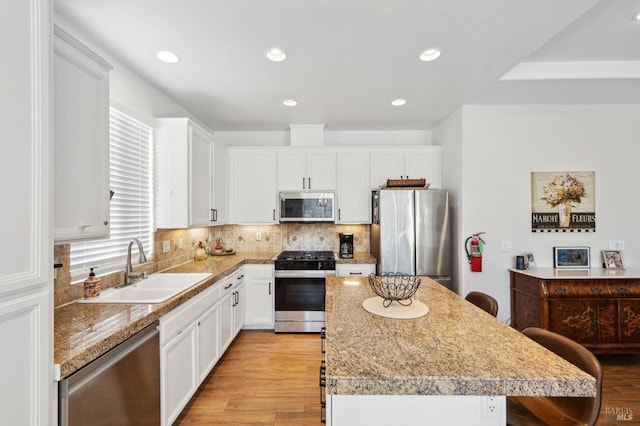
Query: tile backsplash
x=242 y=238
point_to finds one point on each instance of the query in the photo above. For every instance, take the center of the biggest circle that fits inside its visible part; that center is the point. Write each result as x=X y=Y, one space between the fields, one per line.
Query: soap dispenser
x=92 y=285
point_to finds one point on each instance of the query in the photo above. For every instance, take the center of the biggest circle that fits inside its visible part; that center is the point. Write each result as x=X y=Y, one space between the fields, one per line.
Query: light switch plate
x=616 y=244
x=166 y=246
x=507 y=245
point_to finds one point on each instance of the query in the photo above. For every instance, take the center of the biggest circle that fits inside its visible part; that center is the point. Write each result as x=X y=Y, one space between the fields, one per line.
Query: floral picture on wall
x=563 y=202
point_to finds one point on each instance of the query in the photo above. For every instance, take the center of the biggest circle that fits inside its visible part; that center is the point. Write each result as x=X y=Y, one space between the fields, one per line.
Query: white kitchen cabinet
x=354 y=190
x=238 y=308
x=208 y=341
x=178 y=373
x=81 y=141
x=220 y=184
x=406 y=163
x=304 y=170
x=231 y=308
x=252 y=186
x=259 y=301
x=189 y=348
x=186 y=161
x=355 y=270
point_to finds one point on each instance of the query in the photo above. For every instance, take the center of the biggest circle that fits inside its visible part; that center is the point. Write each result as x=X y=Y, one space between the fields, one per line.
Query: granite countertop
x=83 y=331
x=455 y=349
x=358 y=258
x=568 y=274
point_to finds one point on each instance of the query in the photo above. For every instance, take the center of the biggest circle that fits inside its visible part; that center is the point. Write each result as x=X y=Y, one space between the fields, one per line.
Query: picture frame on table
x=529 y=260
x=612 y=259
x=572 y=257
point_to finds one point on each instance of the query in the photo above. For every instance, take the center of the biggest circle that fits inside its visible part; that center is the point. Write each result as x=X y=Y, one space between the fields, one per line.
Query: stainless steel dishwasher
x=122 y=387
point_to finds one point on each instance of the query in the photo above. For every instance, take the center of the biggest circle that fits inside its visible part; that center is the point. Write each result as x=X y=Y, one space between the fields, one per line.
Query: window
x=131 y=181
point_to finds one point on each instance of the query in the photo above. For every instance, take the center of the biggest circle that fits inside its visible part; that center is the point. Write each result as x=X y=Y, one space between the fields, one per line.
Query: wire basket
x=394 y=287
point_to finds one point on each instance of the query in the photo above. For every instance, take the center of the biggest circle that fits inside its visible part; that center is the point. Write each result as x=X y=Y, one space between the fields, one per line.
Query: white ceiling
x=348 y=59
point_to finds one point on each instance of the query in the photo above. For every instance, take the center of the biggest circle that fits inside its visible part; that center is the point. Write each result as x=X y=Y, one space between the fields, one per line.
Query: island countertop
x=455 y=349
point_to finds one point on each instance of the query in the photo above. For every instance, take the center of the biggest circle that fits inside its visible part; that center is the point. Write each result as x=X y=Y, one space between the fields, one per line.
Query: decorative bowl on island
x=394 y=287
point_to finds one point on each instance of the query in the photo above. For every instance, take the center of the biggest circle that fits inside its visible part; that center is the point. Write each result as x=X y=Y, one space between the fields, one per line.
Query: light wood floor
x=272 y=379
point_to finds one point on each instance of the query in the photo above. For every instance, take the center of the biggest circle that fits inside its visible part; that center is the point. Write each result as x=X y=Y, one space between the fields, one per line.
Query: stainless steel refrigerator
x=410 y=232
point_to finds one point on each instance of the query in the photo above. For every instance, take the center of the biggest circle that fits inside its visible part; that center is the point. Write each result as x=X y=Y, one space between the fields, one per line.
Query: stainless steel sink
x=155 y=289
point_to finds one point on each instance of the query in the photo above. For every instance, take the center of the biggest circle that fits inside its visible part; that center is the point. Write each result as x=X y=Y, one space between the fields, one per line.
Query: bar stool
x=565 y=411
x=483 y=301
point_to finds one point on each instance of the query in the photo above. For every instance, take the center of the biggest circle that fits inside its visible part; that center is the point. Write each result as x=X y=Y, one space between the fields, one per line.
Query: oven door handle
x=304 y=274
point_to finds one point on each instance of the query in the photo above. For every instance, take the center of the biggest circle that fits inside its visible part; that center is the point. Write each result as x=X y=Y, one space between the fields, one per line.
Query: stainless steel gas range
x=300 y=290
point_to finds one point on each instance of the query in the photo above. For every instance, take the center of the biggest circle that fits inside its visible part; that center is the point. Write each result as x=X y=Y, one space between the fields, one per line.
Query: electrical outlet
x=180 y=243
x=616 y=244
x=166 y=246
x=258 y=235
x=507 y=246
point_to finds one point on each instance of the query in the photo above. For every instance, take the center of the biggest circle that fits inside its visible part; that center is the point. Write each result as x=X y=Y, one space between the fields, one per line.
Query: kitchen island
x=455 y=365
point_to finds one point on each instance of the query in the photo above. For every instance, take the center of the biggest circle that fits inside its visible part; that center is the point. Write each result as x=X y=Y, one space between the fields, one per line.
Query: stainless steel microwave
x=307 y=206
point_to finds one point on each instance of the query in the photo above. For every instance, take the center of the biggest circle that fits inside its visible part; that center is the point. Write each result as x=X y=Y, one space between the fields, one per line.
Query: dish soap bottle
x=92 y=285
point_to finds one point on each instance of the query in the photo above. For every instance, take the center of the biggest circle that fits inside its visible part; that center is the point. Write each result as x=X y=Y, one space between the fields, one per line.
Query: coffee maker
x=346 y=246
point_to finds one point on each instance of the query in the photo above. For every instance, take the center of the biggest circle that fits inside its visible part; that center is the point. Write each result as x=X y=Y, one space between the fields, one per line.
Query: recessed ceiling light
x=398 y=102
x=168 y=57
x=276 y=55
x=290 y=102
x=636 y=17
x=430 y=54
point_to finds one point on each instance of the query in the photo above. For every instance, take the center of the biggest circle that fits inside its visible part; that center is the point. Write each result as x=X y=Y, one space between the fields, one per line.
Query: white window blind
x=131 y=180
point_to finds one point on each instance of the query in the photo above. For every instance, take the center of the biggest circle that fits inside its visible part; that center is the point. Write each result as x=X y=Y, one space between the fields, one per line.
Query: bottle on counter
x=200 y=253
x=92 y=285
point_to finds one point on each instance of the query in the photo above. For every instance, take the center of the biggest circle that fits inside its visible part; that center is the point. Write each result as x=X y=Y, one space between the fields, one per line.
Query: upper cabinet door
x=354 y=192
x=200 y=177
x=185 y=174
x=252 y=186
x=321 y=170
x=292 y=170
x=406 y=163
x=424 y=162
x=220 y=184
x=300 y=170
x=386 y=164
x=81 y=141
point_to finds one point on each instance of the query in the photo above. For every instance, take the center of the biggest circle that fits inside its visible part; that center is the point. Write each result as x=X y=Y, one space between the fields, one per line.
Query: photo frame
x=529 y=260
x=572 y=257
x=612 y=259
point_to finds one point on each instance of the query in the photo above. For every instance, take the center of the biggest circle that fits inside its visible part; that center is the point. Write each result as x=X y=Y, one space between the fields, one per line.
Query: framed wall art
x=571 y=257
x=612 y=259
x=563 y=202
x=529 y=260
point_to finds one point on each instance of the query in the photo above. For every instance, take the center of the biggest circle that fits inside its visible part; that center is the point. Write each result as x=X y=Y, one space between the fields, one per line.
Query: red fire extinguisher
x=474 y=246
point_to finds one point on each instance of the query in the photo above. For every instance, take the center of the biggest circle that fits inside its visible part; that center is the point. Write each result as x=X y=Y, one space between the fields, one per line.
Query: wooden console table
x=599 y=308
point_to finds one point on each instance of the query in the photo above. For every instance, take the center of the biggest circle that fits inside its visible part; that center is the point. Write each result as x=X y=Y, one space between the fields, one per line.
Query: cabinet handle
x=83 y=227
x=239 y=277
x=560 y=290
x=596 y=289
x=339 y=214
x=274 y=214
x=622 y=289
x=323 y=338
x=212 y=216
x=303 y=184
x=227 y=286
x=105 y=223
x=269 y=287
x=309 y=183
x=355 y=273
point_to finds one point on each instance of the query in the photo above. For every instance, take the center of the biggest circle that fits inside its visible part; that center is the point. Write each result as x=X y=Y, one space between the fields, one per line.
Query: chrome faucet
x=131 y=277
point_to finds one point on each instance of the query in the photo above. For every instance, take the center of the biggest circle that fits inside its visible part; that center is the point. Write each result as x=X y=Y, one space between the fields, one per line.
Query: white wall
x=449 y=136
x=502 y=145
